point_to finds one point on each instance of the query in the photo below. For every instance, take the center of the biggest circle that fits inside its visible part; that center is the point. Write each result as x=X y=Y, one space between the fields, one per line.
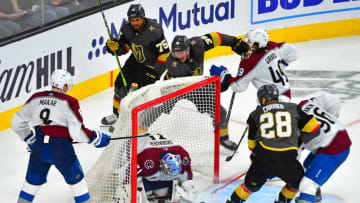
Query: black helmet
x=180 y=43
x=136 y=10
x=269 y=92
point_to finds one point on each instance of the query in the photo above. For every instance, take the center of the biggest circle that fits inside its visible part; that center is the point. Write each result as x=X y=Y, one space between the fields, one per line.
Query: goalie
x=164 y=170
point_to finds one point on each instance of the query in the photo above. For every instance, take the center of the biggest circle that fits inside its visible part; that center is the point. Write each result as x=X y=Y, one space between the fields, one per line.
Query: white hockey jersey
x=150 y=150
x=265 y=67
x=57 y=114
x=333 y=136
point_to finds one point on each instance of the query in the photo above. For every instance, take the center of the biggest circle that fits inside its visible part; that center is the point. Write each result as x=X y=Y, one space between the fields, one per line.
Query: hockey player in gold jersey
x=274 y=132
x=145 y=38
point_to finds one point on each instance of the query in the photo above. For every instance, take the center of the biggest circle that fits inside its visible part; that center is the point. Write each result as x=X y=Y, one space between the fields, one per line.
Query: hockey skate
x=318 y=195
x=109 y=120
x=228 y=144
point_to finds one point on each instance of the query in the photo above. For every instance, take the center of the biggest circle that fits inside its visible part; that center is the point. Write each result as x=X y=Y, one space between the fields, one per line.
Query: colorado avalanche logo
x=149 y=164
x=185 y=161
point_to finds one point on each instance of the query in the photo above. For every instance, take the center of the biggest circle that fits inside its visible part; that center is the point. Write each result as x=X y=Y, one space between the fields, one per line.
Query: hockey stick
x=119 y=138
x=233 y=180
x=230 y=106
x=109 y=33
x=228 y=158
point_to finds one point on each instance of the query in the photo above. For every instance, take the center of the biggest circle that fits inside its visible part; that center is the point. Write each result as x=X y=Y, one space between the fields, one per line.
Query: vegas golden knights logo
x=138 y=52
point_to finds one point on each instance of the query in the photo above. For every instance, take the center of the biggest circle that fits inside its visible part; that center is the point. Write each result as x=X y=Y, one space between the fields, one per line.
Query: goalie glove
x=113 y=45
x=240 y=47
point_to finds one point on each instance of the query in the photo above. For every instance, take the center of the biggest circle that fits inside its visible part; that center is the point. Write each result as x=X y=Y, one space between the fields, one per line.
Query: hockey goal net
x=183 y=109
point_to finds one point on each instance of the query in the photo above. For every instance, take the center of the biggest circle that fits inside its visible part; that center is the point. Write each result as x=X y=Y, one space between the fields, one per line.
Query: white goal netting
x=181 y=109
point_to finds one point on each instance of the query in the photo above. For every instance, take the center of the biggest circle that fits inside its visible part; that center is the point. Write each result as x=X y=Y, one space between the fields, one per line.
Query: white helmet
x=59 y=78
x=259 y=36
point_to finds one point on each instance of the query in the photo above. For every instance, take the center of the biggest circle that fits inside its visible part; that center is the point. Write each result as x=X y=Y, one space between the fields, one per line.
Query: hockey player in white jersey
x=328 y=150
x=56 y=121
x=264 y=65
x=164 y=169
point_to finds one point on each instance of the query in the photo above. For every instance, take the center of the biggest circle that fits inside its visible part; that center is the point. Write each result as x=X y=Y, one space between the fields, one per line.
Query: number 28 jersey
x=274 y=130
x=57 y=114
x=265 y=67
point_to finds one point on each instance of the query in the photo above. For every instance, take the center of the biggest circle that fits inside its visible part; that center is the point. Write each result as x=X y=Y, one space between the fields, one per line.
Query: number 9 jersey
x=57 y=114
x=265 y=67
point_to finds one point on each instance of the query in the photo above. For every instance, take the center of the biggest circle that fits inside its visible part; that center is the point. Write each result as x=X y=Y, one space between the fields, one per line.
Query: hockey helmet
x=259 y=36
x=170 y=164
x=135 y=10
x=180 y=43
x=59 y=78
x=269 y=92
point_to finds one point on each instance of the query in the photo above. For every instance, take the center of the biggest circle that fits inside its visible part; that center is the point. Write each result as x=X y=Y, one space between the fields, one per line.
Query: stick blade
x=228 y=158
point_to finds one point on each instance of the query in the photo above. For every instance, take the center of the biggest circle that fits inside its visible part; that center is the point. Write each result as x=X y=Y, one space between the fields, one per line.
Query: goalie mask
x=170 y=164
x=257 y=36
x=59 y=78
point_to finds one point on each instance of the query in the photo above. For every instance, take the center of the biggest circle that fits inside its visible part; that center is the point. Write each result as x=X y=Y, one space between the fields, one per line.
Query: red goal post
x=184 y=110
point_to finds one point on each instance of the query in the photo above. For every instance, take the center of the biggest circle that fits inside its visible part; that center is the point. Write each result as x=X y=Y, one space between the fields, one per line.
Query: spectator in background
x=17 y=16
x=8 y=17
x=72 y=5
x=52 y=6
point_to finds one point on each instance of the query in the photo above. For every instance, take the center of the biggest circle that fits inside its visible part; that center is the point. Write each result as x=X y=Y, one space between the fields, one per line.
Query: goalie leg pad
x=187 y=190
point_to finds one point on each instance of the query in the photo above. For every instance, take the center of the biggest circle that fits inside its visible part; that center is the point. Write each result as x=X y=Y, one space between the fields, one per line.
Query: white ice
x=340 y=56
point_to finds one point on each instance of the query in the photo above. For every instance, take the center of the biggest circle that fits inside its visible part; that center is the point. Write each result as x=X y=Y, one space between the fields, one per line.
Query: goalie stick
x=228 y=158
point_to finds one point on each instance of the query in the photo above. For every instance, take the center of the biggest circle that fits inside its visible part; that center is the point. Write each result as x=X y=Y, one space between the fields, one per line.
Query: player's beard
x=138 y=28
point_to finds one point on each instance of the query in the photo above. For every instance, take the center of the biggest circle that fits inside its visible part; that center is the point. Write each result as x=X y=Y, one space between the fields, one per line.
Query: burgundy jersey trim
x=56 y=131
x=73 y=104
x=248 y=64
x=340 y=143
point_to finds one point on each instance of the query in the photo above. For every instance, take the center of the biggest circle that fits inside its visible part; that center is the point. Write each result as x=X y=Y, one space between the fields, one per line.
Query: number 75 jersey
x=265 y=67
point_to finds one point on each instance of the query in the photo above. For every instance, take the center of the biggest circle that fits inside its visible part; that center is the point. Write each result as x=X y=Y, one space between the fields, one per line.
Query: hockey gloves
x=100 y=139
x=30 y=140
x=221 y=71
x=240 y=47
x=112 y=45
